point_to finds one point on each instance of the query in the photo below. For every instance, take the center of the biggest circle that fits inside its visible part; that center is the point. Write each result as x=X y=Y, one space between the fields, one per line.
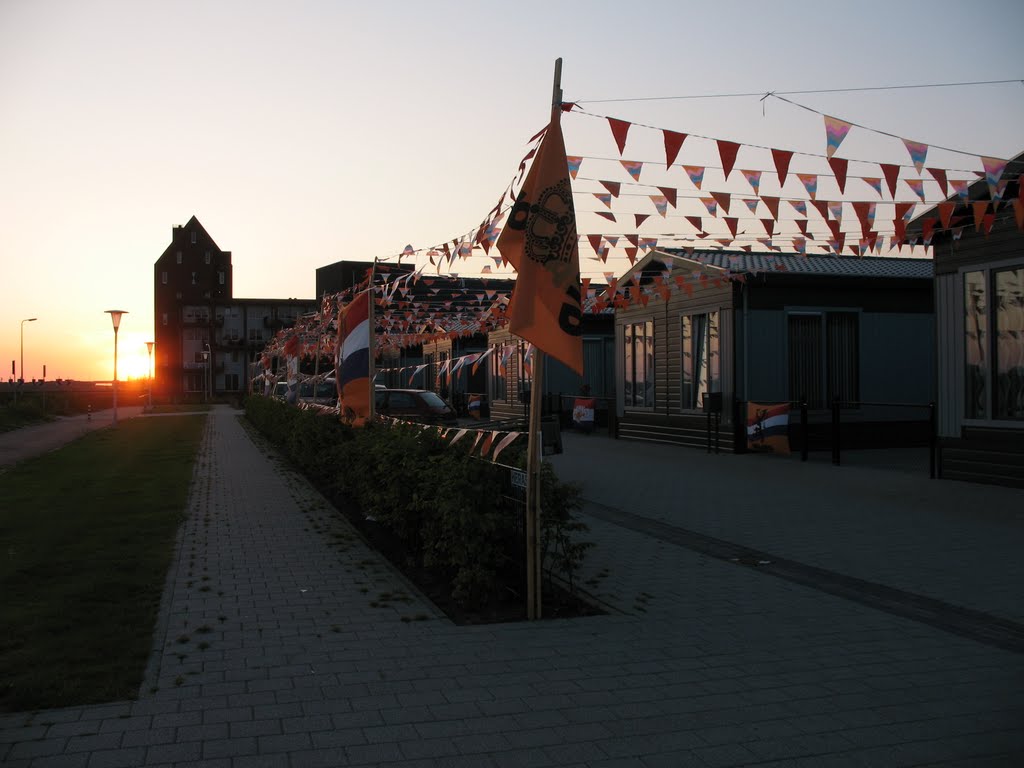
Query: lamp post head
x=149 y=346
x=30 y=319
x=115 y=316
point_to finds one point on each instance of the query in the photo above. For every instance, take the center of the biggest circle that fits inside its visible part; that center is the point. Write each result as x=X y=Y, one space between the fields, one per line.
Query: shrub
x=445 y=506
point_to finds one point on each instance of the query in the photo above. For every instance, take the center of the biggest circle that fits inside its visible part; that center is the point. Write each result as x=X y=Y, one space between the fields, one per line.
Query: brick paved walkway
x=284 y=641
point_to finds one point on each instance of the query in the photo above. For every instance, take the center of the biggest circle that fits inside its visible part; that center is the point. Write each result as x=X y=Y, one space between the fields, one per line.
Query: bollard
x=89 y=412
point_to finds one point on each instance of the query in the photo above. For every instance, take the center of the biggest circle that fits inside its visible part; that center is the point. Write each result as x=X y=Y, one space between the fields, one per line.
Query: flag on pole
x=352 y=372
x=540 y=242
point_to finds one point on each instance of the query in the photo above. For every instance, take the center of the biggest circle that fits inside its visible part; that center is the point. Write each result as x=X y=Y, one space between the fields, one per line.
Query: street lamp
x=149 y=348
x=115 y=318
x=22 y=369
x=206 y=370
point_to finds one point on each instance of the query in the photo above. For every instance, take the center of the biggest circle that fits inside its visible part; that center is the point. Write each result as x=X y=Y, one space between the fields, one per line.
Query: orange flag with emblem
x=539 y=240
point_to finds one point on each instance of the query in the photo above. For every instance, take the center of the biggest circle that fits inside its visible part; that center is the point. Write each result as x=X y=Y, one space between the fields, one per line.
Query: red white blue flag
x=352 y=371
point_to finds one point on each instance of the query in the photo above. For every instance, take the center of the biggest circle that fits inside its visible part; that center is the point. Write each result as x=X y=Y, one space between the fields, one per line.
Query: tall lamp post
x=115 y=318
x=22 y=369
x=206 y=366
x=149 y=348
x=209 y=372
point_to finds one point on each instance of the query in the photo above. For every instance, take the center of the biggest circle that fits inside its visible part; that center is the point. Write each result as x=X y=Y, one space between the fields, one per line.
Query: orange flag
x=539 y=241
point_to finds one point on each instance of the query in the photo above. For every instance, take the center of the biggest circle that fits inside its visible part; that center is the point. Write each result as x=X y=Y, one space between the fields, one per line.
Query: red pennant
x=619 y=130
x=722 y=198
x=833 y=226
x=927 y=226
x=772 y=203
x=631 y=254
x=595 y=242
x=939 y=174
x=822 y=206
x=802 y=226
x=673 y=143
x=892 y=175
x=945 y=213
x=979 y=208
x=769 y=226
x=839 y=166
x=728 y=150
x=782 y=158
x=640 y=218
x=900 y=226
x=732 y=223
x=634 y=240
x=697 y=222
x=606 y=215
x=613 y=187
x=670 y=195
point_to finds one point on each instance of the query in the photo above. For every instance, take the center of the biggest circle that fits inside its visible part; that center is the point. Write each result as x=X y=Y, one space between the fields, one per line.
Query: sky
x=303 y=133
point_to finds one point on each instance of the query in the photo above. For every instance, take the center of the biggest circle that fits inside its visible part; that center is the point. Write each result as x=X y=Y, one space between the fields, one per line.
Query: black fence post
x=835 y=431
x=933 y=439
x=803 y=429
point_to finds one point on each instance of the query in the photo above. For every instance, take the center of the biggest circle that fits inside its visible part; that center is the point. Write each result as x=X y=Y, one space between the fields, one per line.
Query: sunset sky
x=303 y=133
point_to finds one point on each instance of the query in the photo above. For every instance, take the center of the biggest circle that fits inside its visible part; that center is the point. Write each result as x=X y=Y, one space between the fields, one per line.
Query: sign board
x=518 y=478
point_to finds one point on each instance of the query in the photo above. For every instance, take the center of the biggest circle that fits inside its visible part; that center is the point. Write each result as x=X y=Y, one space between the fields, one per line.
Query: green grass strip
x=87 y=534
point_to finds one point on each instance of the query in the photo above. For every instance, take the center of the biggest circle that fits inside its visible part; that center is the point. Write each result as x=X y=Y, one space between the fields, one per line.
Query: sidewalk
x=285 y=641
x=27 y=442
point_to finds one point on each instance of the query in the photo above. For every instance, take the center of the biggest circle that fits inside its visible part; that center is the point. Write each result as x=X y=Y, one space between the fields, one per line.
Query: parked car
x=322 y=393
x=415 y=405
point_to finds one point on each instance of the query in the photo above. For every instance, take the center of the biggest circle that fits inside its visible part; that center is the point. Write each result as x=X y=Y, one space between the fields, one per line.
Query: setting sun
x=132 y=357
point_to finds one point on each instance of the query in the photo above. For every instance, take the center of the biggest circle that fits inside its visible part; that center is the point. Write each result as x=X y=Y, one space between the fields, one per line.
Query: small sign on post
x=518 y=478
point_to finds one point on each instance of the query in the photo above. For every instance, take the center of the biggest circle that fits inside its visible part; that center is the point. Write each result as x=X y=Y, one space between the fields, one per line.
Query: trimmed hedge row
x=445 y=506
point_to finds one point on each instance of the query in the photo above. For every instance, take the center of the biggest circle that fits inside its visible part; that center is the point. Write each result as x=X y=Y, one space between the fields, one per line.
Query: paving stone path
x=285 y=641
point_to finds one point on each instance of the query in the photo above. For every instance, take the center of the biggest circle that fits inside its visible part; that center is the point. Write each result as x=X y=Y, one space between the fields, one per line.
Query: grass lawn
x=86 y=537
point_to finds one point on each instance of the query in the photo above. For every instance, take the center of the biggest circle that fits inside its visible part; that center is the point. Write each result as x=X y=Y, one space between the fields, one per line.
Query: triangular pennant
x=574 y=162
x=613 y=187
x=660 y=204
x=946 y=213
x=754 y=179
x=863 y=210
x=769 y=226
x=696 y=174
x=800 y=206
x=673 y=143
x=835 y=209
x=751 y=203
x=917 y=187
x=711 y=204
x=918 y=152
x=697 y=222
x=728 y=150
x=961 y=188
x=619 y=130
x=606 y=215
x=810 y=182
x=640 y=218
x=633 y=168
x=782 y=158
x=892 y=175
x=604 y=198
x=939 y=174
x=631 y=254
x=835 y=132
x=979 y=207
x=994 y=168
x=802 y=226
x=874 y=183
x=670 y=195
x=839 y=166
x=595 y=242
x=822 y=207
x=732 y=223
x=722 y=198
x=772 y=204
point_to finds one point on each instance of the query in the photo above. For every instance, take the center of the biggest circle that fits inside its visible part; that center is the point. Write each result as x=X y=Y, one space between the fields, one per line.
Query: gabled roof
x=742 y=262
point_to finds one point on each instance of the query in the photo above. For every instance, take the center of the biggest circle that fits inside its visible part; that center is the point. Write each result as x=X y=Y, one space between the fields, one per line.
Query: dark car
x=415 y=405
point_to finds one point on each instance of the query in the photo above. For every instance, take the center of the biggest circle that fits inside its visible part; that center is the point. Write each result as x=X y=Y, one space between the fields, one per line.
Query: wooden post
x=371 y=326
x=534 y=608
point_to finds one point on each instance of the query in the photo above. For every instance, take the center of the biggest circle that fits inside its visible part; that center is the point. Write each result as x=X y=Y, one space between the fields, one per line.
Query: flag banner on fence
x=352 y=372
x=768 y=427
x=539 y=240
x=475 y=405
x=583 y=413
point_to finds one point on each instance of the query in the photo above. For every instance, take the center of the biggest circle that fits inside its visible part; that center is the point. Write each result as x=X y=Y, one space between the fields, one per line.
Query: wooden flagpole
x=534 y=585
x=371 y=326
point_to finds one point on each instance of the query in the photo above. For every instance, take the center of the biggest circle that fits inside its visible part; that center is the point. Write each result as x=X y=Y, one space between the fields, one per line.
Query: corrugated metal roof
x=838 y=266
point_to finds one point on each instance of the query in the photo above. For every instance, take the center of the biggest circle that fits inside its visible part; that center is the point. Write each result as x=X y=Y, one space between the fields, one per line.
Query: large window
x=824 y=355
x=701 y=360
x=638 y=346
x=994 y=344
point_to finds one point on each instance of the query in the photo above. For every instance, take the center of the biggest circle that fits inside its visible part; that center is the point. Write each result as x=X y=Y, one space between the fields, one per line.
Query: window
x=525 y=358
x=701 y=360
x=824 y=354
x=499 y=373
x=164 y=318
x=178 y=257
x=206 y=257
x=193 y=236
x=255 y=334
x=195 y=278
x=220 y=278
x=994 y=344
x=638 y=345
x=163 y=278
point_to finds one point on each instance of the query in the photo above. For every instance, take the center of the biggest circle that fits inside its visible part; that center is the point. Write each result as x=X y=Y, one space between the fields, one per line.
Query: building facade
x=206 y=340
